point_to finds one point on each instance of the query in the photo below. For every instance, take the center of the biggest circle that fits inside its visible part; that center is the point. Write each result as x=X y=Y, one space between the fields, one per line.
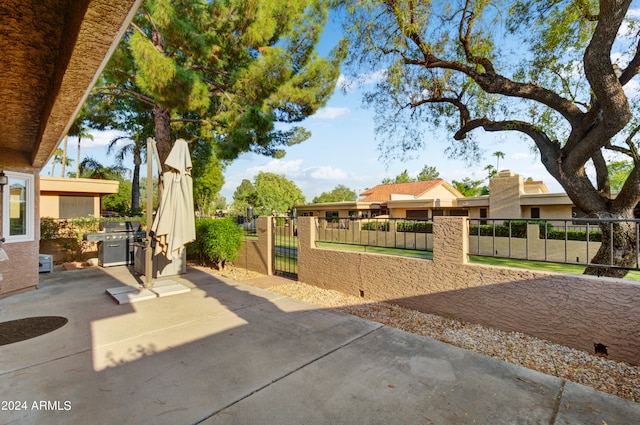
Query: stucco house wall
x=53 y=54
x=20 y=271
x=52 y=188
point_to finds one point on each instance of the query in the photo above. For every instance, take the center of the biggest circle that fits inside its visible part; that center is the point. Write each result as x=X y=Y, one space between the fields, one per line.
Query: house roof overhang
x=545 y=199
x=476 y=201
x=333 y=206
x=86 y=187
x=53 y=53
x=422 y=203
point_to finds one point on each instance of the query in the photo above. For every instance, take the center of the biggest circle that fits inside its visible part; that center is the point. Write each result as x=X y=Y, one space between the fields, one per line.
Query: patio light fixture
x=3 y=179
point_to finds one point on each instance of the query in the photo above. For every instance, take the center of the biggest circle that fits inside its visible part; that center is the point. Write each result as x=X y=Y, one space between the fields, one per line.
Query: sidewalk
x=232 y=353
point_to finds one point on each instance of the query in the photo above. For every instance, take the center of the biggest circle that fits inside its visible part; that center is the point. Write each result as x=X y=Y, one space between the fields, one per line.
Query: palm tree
x=92 y=169
x=491 y=171
x=499 y=155
x=64 y=154
x=59 y=158
x=79 y=129
x=137 y=149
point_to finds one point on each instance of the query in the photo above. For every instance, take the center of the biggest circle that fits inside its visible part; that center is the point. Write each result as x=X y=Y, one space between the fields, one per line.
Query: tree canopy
x=558 y=73
x=275 y=194
x=470 y=188
x=225 y=72
x=428 y=173
x=269 y=194
x=403 y=177
x=340 y=193
x=244 y=197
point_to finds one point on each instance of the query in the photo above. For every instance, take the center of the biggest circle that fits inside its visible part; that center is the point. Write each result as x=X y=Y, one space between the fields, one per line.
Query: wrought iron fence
x=285 y=247
x=396 y=233
x=248 y=224
x=567 y=241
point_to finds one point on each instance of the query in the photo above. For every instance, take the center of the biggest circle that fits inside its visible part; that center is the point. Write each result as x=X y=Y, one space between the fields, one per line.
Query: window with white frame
x=18 y=207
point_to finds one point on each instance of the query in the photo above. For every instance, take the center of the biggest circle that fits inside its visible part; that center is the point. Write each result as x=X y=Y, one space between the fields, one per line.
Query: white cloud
x=294 y=169
x=626 y=31
x=279 y=166
x=330 y=113
x=101 y=139
x=327 y=173
x=348 y=85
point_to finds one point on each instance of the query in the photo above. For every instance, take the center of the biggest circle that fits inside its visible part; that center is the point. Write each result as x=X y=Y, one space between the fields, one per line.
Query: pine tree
x=225 y=72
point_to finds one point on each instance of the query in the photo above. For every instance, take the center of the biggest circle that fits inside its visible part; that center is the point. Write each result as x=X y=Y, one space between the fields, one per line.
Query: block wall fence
x=573 y=310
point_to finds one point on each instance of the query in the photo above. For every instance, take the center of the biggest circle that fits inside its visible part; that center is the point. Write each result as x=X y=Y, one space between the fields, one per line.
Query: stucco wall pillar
x=306 y=241
x=264 y=229
x=504 y=201
x=257 y=255
x=451 y=240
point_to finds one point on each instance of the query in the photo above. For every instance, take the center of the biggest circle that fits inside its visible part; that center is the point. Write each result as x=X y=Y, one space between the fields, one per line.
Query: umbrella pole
x=148 y=260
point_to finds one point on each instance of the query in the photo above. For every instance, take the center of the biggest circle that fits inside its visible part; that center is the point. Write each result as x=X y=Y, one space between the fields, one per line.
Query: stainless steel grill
x=115 y=242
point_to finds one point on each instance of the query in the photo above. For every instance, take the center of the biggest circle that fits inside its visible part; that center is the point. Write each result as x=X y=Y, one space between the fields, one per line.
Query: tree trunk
x=135 y=183
x=162 y=121
x=135 y=189
x=618 y=248
x=64 y=155
x=78 y=159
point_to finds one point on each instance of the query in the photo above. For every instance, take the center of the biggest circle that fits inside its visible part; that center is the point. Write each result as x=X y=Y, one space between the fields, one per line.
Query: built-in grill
x=115 y=242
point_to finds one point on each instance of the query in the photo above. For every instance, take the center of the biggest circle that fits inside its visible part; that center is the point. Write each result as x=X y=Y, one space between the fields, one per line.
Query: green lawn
x=540 y=265
x=505 y=262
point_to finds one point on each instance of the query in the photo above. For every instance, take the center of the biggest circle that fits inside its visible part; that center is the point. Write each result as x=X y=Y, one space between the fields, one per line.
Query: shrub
x=48 y=229
x=68 y=233
x=575 y=235
x=518 y=229
x=217 y=241
x=415 y=226
x=376 y=225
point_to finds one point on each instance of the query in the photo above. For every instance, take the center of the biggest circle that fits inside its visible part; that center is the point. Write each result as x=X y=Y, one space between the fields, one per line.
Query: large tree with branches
x=223 y=71
x=557 y=72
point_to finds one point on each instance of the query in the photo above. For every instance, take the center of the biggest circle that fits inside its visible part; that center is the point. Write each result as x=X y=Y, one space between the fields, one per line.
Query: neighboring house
x=71 y=198
x=510 y=197
x=52 y=55
x=422 y=199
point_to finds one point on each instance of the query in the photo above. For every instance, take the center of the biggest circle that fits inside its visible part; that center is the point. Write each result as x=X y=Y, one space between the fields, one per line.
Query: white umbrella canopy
x=174 y=224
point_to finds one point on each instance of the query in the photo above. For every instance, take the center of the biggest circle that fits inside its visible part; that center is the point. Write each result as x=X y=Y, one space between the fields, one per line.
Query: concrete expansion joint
x=244 y=307
x=556 y=407
x=257 y=390
x=47 y=362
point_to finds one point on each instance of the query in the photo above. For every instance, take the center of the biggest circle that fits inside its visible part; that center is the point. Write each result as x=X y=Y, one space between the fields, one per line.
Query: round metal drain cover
x=29 y=327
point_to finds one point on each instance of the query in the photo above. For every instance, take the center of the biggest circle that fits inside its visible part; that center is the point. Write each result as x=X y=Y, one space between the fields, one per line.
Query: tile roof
x=382 y=192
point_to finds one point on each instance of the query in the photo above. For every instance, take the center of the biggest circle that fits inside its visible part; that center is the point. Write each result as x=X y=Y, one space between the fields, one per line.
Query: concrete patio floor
x=231 y=353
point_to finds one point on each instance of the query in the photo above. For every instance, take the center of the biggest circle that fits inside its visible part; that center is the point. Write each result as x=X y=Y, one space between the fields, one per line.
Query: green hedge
x=217 y=241
x=382 y=226
x=58 y=228
x=415 y=226
x=575 y=235
x=518 y=229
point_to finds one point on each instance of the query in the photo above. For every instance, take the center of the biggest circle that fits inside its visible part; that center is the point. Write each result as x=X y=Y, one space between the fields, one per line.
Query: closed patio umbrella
x=174 y=224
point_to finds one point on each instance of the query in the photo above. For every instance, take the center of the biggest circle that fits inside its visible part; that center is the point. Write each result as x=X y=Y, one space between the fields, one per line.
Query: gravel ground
x=616 y=378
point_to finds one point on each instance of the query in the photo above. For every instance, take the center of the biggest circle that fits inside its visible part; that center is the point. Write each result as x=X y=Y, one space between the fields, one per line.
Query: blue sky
x=343 y=150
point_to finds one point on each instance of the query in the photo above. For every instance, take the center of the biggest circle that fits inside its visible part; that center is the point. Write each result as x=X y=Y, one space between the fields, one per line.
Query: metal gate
x=285 y=247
